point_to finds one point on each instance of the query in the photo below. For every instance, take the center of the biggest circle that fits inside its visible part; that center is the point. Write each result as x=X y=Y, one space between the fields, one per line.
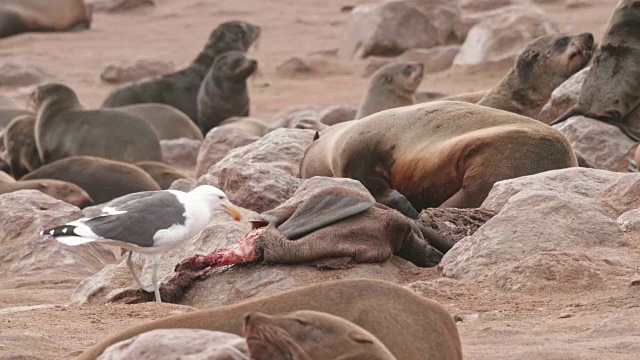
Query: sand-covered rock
x=23 y=74
x=170 y=344
x=217 y=144
x=501 y=34
x=29 y=258
x=136 y=69
x=602 y=145
x=455 y=224
x=553 y=229
x=563 y=97
x=391 y=27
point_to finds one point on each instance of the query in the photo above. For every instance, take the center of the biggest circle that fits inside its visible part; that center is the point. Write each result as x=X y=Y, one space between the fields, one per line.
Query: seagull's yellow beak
x=232 y=211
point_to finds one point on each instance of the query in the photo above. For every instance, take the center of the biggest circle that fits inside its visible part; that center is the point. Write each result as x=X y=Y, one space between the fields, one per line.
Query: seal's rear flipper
x=320 y=211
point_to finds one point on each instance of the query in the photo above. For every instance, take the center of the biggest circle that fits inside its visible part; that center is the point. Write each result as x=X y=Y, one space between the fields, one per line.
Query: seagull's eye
x=220 y=197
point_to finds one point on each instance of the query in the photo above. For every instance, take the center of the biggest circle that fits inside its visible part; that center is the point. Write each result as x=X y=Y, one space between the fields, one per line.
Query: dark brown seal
x=423 y=328
x=20 y=16
x=180 y=89
x=442 y=153
x=305 y=335
x=394 y=85
x=611 y=91
x=21 y=151
x=61 y=190
x=169 y=122
x=103 y=179
x=65 y=128
x=541 y=67
x=162 y=173
x=223 y=92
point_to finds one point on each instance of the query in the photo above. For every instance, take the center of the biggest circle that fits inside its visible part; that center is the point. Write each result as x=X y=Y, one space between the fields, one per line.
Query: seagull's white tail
x=73 y=240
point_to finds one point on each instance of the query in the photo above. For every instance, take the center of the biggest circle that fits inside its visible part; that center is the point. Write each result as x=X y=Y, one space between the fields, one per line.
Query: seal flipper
x=395 y=200
x=320 y=211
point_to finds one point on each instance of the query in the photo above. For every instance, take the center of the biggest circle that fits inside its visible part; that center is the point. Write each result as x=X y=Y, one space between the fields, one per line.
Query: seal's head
x=402 y=77
x=234 y=35
x=235 y=65
x=50 y=92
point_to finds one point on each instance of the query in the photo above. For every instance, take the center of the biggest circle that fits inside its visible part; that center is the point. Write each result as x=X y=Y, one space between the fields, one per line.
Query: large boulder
x=217 y=144
x=391 y=27
x=30 y=258
x=502 y=34
x=602 y=145
x=555 y=231
x=563 y=97
x=182 y=154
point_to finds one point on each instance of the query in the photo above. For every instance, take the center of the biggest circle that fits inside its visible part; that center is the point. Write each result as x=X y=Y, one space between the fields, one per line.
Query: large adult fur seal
x=161 y=173
x=223 y=92
x=61 y=190
x=103 y=179
x=306 y=334
x=169 y=122
x=443 y=153
x=180 y=89
x=19 y=16
x=20 y=146
x=394 y=85
x=541 y=67
x=65 y=128
x=611 y=90
x=410 y=326
x=470 y=97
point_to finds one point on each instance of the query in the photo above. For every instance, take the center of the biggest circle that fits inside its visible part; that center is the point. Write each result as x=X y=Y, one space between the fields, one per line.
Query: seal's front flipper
x=395 y=200
x=319 y=211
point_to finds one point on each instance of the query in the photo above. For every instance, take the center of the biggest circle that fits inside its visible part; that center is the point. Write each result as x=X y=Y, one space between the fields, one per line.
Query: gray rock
x=563 y=97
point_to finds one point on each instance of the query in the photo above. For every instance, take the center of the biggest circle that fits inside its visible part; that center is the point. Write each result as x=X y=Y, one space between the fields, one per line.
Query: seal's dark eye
x=561 y=43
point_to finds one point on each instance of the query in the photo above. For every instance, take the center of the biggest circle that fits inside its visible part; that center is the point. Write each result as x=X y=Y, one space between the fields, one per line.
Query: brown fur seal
x=470 y=97
x=20 y=146
x=306 y=334
x=103 y=179
x=7 y=114
x=223 y=92
x=162 y=173
x=611 y=90
x=394 y=85
x=61 y=190
x=410 y=326
x=169 y=122
x=248 y=124
x=442 y=153
x=180 y=89
x=541 y=67
x=65 y=128
x=20 y=16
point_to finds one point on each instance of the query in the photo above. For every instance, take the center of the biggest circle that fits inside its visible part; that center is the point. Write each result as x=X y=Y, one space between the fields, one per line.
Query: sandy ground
x=587 y=325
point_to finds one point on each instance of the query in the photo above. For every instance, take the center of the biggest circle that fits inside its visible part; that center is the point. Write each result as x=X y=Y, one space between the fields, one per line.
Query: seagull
x=148 y=222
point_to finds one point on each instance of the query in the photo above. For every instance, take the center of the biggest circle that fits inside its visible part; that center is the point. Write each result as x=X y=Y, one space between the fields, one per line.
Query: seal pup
x=61 y=190
x=436 y=154
x=180 y=89
x=162 y=173
x=409 y=325
x=20 y=146
x=541 y=67
x=169 y=122
x=20 y=16
x=307 y=334
x=103 y=179
x=393 y=85
x=65 y=128
x=223 y=92
x=611 y=92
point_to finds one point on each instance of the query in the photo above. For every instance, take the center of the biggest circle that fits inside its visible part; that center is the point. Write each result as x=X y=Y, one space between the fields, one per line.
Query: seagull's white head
x=216 y=199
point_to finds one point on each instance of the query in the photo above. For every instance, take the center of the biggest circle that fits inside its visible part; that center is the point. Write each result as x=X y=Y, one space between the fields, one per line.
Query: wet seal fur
x=611 y=91
x=436 y=154
x=541 y=67
x=61 y=190
x=169 y=122
x=21 y=151
x=392 y=86
x=20 y=16
x=305 y=335
x=180 y=89
x=65 y=128
x=223 y=92
x=409 y=325
x=103 y=179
